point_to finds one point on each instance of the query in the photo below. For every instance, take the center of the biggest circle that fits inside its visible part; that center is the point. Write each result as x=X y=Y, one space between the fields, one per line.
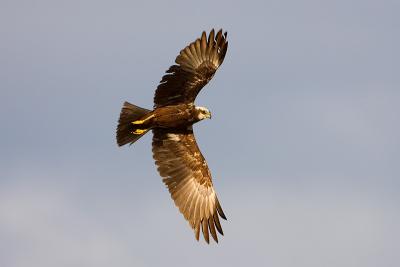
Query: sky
x=303 y=144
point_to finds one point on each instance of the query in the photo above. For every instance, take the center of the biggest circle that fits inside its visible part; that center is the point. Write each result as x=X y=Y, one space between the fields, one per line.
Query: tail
x=129 y=113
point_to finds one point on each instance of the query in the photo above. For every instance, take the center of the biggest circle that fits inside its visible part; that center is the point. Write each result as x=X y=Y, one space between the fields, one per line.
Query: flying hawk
x=175 y=151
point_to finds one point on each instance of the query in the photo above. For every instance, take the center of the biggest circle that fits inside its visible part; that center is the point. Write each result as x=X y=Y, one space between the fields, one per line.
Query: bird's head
x=202 y=113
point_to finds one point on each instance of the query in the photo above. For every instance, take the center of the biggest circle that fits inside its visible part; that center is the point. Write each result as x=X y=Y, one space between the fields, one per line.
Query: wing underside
x=186 y=174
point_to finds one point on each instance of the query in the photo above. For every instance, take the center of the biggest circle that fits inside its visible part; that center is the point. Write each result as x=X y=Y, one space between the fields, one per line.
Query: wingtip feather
x=197 y=231
x=212 y=229
x=220 y=211
x=204 y=228
x=218 y=224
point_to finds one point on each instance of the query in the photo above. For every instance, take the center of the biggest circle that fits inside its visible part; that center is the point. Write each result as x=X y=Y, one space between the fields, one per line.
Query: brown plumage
x=179 y=160
x=197 y=64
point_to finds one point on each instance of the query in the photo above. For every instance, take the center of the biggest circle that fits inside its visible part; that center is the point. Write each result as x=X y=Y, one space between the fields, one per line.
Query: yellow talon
x=138 y=122
x=143 y=121
x=139 y=131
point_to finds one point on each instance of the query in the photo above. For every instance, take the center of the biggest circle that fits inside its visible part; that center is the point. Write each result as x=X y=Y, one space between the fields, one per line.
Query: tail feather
x=129 y=113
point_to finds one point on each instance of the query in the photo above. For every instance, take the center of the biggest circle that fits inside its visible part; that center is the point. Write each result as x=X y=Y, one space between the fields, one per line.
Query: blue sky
x=303 y=144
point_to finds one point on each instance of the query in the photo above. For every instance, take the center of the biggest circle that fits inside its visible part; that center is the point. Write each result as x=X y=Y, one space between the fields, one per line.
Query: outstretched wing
x=186 y=174
x=196 y=65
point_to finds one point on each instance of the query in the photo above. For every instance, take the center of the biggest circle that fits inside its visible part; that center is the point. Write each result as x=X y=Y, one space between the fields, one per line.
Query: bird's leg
x=139 y=131
x=143 y=121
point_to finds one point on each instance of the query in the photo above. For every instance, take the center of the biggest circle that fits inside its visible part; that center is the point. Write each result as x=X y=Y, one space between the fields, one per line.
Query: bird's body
x=172 y=116
x=179 y=160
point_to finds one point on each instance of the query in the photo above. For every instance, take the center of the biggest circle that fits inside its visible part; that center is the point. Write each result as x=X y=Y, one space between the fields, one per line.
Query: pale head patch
x=203 y=113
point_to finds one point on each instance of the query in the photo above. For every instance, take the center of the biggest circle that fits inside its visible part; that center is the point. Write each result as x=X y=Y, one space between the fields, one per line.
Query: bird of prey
x=175 y=151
